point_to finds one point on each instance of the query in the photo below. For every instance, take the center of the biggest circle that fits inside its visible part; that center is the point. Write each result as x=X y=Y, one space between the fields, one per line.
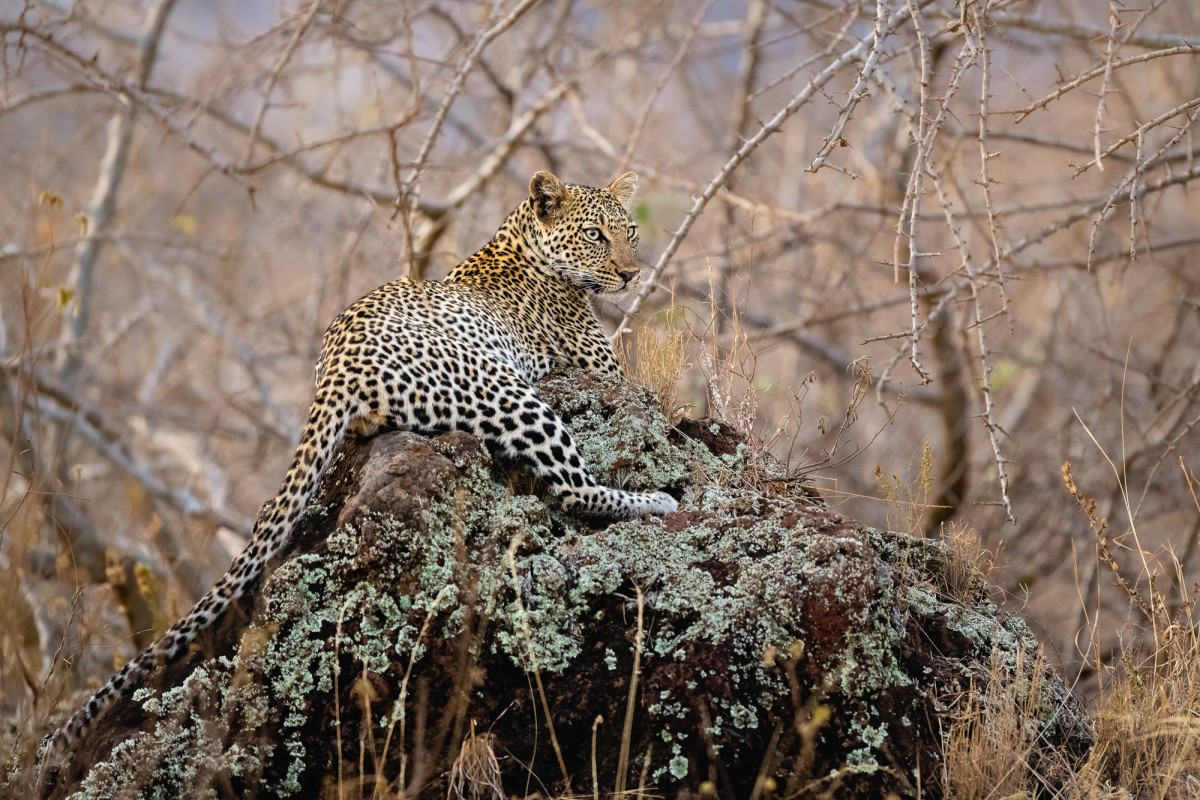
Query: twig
x=399 y=708
x=985 y=178
x=504 y=147
x=925 y=136
x=832 y=42
x=1088 y=209
x=650 y=282
x=1133 y=200
x=197 y=302
x=724 y=310
x=985 y=362
x=1130 y=187
x=631 y=702
x=105 y=442
x=1086 y=33
x=684 y=45
x=273 y=78
x=859 y=90
x=411 y=187
x=925 y=133
x=1116 y=62
x=1182 y=108
x=511 y=558
x=439 y=216
x=596 y=723
x=1114 y=23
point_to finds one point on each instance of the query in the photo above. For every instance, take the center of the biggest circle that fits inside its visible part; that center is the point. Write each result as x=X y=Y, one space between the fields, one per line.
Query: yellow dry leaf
x=66 y=296
x=369 y=114
x=185 y=224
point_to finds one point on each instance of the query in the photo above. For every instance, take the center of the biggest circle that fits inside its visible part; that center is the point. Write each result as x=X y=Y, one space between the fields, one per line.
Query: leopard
x=462 y=353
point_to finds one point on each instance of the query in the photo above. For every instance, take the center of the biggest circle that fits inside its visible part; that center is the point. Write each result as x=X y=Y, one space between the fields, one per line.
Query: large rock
x=437 y=627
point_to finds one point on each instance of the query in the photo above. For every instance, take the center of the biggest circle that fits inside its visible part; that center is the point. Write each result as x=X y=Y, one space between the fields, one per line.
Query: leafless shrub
x=987 y=208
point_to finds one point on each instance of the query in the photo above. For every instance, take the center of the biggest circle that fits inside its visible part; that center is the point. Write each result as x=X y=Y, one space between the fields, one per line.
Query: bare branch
x=650 y=282
x=273 y=78
x=411 y=188
x=684 y=44
x=859 y=91
x=63 y=407
x=104 y=197
x=1084 y=33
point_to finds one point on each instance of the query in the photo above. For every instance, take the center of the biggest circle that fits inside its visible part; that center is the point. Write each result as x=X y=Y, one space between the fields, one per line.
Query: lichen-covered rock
x=437 y=626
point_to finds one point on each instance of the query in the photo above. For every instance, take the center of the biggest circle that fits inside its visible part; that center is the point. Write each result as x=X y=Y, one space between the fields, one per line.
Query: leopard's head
x=586 y=233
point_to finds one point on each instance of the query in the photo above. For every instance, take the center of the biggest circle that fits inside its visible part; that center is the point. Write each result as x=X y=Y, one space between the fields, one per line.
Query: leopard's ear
x=624 y=189
x=548 y=194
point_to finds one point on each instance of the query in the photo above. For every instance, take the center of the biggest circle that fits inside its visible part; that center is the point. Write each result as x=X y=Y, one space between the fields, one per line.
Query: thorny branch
x=974 y=281
x=771 y=126
x=859 y=91
x=1141 y=130
x=411 y=187
x=1129 y=188
x=1109 y=67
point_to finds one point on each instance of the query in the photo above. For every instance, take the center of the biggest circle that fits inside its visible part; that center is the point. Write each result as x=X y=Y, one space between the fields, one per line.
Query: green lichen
x=185 y=745
x=721 y=598
x=627 y=442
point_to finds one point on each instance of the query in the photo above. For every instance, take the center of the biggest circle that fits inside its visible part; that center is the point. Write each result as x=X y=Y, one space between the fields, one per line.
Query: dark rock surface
x=437 y=626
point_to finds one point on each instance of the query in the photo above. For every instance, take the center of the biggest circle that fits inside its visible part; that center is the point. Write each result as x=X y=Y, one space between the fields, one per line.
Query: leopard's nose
x=628 y=274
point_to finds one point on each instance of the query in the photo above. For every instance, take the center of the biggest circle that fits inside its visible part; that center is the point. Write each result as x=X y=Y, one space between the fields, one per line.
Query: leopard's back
x=463 y=354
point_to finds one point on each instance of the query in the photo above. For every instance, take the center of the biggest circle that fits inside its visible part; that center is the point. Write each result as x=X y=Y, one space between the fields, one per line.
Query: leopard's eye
x=593 y=234
x=632 y=232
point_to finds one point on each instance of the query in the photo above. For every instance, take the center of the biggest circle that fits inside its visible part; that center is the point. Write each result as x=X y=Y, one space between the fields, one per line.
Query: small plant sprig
x=1099 y=524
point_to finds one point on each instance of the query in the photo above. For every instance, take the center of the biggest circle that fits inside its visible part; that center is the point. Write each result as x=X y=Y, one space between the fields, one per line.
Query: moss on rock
x=430 y=603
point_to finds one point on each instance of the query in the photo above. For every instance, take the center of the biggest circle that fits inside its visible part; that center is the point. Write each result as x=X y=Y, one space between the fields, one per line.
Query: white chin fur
x=621 y=298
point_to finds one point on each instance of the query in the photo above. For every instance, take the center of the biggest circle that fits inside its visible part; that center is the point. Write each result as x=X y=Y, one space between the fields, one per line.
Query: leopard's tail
x=273 y=527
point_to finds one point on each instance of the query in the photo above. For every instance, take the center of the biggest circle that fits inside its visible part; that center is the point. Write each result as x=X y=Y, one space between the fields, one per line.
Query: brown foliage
x=985 y=207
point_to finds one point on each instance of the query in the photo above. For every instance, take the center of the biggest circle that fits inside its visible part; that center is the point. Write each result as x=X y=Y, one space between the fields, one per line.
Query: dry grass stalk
x=990 y=745
x=657 y=361
x=475 y=774
x=1099 y=524
x=968 y=563
x=907 y=497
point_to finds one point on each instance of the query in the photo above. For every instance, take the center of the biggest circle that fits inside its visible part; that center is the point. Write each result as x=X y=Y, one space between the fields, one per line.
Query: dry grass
x=1148 y=731
x=907 y=496
x=656 y=359
x=968 y=565
x=475 y=774
x=990 y=745
x=1146 y=711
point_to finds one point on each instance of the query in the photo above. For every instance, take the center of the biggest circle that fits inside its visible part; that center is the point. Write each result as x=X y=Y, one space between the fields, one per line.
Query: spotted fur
x=462 y=353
